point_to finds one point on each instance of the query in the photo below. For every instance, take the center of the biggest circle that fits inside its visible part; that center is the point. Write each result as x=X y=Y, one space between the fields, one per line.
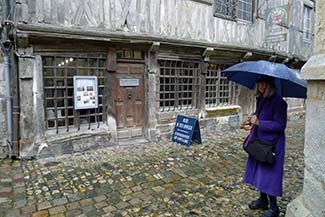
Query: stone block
x=75 y=212
x=86 y=202
x=152 y=135
x=2 y=89
x=57 y=210
x=313 y=194
x=67 y=148
x=314 y=68
x=43 y=205
x=100 y=198
x=59 y=201
x=19 y=204
x=73 y=205
x=297 y=208
x=26 y=67
x=3 y=152
x=234 y=121
x=2 y=72
x=27 y=210
x=26 y=112
x=314 y=141
x=46 y=153
x=43 y=213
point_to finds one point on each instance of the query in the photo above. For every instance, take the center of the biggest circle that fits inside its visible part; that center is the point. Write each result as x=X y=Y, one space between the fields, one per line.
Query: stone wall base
x=3 y=152
x=207 y=126
x=57 y=145
x=296 y=208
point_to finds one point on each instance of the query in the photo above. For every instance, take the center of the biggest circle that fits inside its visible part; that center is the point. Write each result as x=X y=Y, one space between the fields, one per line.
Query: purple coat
x=272 y=117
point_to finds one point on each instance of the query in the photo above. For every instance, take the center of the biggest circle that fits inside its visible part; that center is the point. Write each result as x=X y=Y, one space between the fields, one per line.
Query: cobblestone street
x=164 y=179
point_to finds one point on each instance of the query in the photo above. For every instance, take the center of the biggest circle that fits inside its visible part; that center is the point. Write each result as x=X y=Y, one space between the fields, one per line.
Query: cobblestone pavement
x=164 y=179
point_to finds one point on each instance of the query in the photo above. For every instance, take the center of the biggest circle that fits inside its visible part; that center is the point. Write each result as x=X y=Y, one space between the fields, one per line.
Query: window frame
x=307 y=32
x=60 y=114
x=251 y=3
x=176 y=95
x=219 y=91
x=235 y=9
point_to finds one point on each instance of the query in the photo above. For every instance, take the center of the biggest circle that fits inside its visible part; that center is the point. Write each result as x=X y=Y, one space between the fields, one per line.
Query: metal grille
x=219 y=90
x=244 y=10
x=179 y=84
x=307 y=23
x=225 y=8
x=58 y=72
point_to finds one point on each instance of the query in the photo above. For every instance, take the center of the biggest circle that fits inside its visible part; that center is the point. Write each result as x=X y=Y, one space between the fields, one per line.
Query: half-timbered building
x=153 y=60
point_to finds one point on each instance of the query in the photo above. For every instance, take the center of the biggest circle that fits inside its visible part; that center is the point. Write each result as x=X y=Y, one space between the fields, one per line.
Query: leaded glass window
x=234 y=9
x=307 y=23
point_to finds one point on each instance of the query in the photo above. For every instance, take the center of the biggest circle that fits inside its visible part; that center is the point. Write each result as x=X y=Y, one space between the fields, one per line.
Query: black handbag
x=260 y=150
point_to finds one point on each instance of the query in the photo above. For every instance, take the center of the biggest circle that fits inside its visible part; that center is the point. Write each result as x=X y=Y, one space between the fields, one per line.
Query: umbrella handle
x=246 y=125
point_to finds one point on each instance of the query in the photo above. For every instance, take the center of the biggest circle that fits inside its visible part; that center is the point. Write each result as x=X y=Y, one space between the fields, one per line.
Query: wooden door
x=129 y=99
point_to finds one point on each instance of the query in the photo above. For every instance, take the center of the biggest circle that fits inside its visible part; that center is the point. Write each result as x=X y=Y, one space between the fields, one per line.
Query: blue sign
x=186 y=129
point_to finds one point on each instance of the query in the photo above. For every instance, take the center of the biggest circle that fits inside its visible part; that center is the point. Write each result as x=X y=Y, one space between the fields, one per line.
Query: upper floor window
x=225 y=8
x=307 y=23
x=234 y=9
x=244 y=10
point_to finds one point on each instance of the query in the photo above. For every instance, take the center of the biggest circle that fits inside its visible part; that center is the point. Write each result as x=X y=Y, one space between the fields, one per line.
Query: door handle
x=129 y=94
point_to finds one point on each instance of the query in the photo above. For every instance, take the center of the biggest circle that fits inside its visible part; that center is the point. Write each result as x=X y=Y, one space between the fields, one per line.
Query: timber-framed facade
x=152 y=60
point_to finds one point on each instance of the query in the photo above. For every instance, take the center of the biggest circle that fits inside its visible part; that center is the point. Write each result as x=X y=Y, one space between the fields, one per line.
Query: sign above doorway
x=131 y=82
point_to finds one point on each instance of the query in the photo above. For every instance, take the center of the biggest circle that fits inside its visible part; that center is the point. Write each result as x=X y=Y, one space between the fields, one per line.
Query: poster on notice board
x=85 y=92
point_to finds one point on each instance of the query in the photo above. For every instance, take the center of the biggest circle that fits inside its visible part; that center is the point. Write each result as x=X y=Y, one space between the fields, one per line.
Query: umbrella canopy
x=287 y=81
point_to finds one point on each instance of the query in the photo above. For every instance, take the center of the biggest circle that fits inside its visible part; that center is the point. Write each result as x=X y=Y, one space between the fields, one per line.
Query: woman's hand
x=253 y=119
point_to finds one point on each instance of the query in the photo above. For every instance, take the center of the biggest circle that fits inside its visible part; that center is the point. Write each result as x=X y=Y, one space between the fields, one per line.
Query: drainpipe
x=12 y=10
x=9 y=111
x=6 y=46
x=15 y=85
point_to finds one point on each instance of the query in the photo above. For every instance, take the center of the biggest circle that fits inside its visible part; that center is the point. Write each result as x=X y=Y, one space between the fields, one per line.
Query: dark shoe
x=258 y=204
x=270 y=213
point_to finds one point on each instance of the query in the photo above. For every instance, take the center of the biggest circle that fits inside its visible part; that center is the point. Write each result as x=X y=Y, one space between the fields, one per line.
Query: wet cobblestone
x=164 y=179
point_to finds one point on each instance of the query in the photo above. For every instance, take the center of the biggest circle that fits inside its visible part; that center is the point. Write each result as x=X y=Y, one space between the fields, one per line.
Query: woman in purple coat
x=269 y=123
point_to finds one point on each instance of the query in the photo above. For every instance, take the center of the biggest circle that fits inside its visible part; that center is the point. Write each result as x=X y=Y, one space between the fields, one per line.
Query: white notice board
x=85 y=92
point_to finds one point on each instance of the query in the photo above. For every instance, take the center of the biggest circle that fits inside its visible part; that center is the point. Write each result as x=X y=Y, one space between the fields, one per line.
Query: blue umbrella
x=287 y=81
